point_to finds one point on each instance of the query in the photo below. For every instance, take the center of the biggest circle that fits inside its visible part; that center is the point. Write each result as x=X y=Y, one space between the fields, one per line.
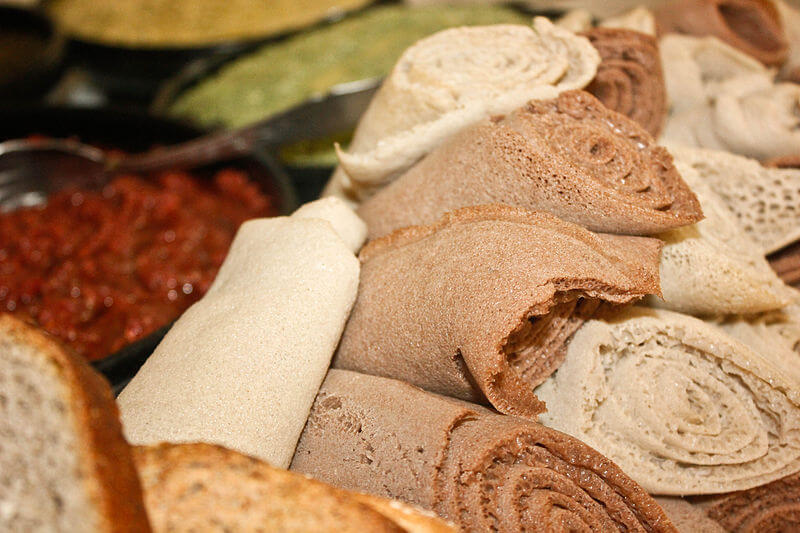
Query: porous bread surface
x=713 y=267
x=484 y=471
x=241 y=367
x=201 y=487
x=569 y=156
x=775 y=335
x=451 y=80
x=42 y=480
x=764 y=200
x=479 y=305
x=682 y=407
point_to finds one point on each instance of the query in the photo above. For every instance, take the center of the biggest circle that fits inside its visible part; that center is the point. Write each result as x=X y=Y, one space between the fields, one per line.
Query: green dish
x=281 y=75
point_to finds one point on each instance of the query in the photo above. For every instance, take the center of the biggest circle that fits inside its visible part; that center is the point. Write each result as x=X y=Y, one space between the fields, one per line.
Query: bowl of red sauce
x=107 y=270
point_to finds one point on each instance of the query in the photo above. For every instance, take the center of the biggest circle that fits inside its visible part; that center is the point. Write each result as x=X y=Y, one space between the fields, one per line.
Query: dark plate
x=135 y=132
x=32 y=53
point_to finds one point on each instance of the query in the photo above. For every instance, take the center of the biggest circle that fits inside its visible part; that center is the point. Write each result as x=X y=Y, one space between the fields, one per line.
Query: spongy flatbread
x=241 y=367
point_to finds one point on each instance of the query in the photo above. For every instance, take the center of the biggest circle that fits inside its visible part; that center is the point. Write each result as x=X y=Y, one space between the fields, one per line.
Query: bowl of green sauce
x=277 y=76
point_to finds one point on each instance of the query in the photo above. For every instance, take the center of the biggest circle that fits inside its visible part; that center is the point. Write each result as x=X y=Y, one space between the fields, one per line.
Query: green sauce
x=279 y=76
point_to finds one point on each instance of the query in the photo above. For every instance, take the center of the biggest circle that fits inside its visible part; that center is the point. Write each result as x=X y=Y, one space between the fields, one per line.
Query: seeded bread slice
x=204 y=487
x=64 y=464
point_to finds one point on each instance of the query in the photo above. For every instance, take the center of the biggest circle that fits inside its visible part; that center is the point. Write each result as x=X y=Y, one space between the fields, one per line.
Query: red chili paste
x=101 y=269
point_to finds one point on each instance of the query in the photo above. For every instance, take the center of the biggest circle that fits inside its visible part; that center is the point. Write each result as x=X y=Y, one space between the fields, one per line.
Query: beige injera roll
x=713 y=267
x=775 y=335
x=749 y=116
x=682 y=407
x=484 y=471
x=694 y=67
x=202 y=487
x=752 y=26
x=790 y=18
x=569 y=156
x=453 y=79
x=479 y=306
x=764 y=200
x=241 y=367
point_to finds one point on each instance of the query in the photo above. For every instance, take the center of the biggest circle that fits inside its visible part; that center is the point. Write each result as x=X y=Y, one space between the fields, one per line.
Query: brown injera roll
x=569 y=156
x=786 y=263
x=629 y=79
x=787 y=161
x=774 y=507
x=480 y=305
x=482 y=470
x=752 y=26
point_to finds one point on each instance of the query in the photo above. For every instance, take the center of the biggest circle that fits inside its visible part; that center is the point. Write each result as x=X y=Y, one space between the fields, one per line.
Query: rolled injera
x=748 y=115
x=786 y=263
x=629 y=79
x=451 y=80
x=774 y=507
x=683 y=408
x=694 y=67
x=714 y=268
x=241 y=367
x=752 y=26
x=479 y=306
x=482 y=470
x=568 y=156
x=763 y=200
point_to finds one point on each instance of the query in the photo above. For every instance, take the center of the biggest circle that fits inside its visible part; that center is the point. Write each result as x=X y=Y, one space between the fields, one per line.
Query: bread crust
x=111 y=479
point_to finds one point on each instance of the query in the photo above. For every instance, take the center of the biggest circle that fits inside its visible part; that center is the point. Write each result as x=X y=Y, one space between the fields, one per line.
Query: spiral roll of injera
x=683 y=408
x=569 y=156
x=630 y=79
x=484 y=471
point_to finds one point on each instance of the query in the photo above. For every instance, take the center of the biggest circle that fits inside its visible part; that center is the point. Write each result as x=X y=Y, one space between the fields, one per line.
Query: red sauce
x=101 y=269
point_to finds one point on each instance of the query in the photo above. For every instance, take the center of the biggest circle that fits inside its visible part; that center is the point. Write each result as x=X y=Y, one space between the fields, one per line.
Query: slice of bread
x=204 y=487
x=64 y=464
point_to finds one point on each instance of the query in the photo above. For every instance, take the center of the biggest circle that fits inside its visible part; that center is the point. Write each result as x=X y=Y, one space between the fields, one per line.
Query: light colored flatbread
x=682 y=407
x=242 y=366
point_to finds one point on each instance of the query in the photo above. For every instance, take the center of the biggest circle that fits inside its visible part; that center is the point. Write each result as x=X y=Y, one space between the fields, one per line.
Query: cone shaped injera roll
x=629 y=79
x=484 y=471
x=752 y=26
x=480 y=305
x=569 y=156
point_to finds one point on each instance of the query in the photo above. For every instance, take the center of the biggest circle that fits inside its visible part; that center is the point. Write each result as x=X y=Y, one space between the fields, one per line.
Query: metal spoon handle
x=332 y=115
x=212 y=147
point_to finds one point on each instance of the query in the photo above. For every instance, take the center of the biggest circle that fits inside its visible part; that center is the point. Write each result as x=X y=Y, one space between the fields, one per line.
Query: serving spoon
x=32 y=168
